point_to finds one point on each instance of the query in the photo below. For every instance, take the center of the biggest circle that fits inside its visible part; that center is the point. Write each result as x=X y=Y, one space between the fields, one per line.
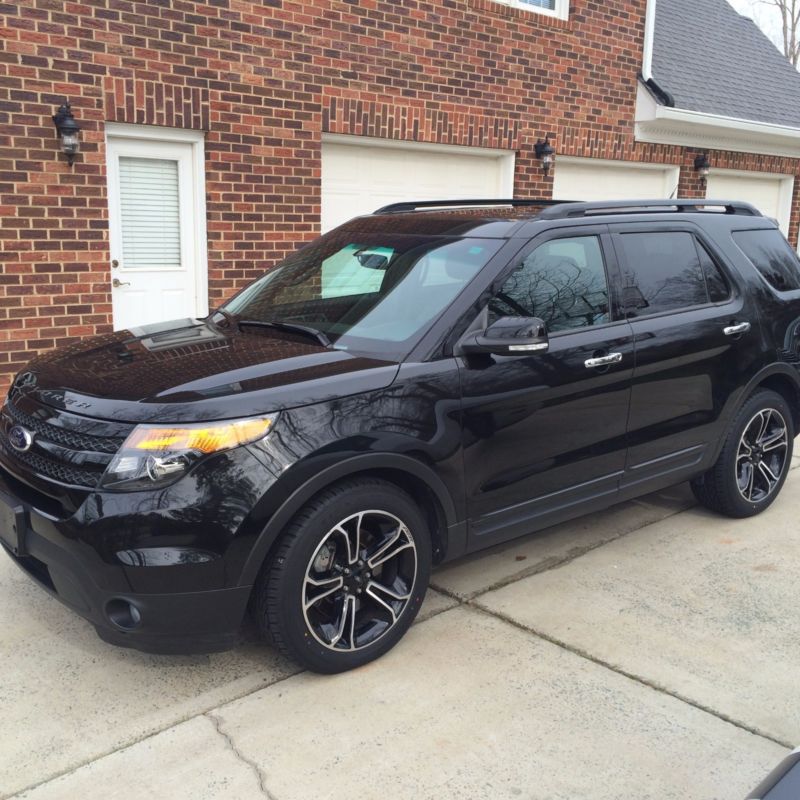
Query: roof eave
x=660 y=124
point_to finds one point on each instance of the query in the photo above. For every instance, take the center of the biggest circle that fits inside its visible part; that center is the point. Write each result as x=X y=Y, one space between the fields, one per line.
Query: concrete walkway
x=649 y=651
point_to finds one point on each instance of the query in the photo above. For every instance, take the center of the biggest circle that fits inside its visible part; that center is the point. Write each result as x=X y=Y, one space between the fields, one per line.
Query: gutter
x=746 y=126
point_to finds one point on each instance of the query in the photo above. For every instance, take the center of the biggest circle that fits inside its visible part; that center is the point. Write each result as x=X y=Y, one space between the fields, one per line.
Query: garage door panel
x=770 y=194
x=358 y=178
x=589 y=179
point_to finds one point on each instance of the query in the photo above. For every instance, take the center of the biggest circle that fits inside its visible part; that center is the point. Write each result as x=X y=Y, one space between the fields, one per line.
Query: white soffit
x=660 y=124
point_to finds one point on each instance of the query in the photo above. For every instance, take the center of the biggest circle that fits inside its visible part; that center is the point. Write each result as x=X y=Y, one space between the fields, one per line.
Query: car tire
x=754 y=461
x=347 y=578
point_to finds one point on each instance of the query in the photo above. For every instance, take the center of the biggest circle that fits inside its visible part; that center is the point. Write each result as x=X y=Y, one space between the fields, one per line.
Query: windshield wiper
x=292 y=327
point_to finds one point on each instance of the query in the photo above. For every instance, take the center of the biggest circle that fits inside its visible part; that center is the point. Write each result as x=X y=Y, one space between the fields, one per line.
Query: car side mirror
x=508 y=336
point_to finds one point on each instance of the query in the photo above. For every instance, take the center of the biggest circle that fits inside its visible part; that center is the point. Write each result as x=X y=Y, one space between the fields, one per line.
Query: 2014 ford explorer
x=415 y=385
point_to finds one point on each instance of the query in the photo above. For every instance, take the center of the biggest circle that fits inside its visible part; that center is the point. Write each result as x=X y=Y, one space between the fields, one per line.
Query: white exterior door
x=597 y=179
x=770 y=194
x=360 y=174
x=157 y=258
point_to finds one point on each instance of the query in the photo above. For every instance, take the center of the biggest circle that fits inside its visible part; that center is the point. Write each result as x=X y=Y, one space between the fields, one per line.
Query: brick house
x=217 y=135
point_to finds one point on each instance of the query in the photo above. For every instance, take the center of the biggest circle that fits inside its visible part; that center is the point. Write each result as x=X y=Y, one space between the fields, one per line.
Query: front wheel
x=754 y=461
x=348 y=578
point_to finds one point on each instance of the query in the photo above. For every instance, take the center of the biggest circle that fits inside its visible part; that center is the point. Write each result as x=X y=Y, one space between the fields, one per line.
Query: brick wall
x=265 y=80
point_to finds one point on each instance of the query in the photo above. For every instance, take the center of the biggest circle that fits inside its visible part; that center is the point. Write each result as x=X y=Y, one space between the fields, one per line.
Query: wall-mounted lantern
x=702 y=166
x=545 y=153
x=68 y=130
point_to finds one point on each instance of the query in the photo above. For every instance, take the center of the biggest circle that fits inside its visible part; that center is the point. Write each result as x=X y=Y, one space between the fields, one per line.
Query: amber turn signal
x=204 y=439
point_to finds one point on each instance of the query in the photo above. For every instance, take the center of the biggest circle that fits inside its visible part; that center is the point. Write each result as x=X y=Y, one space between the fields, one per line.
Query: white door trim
x=118 y=130
x=784 y=198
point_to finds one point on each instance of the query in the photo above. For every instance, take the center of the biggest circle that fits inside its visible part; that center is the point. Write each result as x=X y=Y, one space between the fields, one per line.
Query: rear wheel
x=754 y=461
x=348 y=578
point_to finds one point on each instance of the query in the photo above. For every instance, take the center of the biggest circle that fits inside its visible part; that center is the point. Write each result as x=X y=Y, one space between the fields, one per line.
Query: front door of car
x=697 y=342
x=544 y=432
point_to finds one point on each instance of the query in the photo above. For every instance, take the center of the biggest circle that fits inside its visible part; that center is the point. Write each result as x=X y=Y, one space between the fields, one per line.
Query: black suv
x=415 y=385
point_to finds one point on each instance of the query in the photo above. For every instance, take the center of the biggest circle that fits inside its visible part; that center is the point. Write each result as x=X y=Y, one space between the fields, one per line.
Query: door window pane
x=150 y=212
x=771 y=255
x=662 y=272
x=562 y=281
x=718 y=289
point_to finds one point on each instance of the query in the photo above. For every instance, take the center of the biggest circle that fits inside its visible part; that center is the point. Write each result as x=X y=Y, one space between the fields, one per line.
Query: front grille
x=59 y=454
x=49 y=468
x=66 y=438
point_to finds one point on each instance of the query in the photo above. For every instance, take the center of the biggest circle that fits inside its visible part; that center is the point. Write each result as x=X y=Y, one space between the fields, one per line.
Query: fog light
x=123 y=614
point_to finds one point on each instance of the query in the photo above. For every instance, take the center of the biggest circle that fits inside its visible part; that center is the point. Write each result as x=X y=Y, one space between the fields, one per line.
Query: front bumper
x=155 y=572
x=184 y=622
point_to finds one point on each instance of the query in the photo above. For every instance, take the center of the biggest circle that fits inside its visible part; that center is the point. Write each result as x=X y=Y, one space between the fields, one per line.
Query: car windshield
x=365 y=291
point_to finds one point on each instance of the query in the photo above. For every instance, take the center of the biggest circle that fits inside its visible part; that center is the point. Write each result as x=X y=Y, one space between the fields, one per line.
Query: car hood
x=190 y=370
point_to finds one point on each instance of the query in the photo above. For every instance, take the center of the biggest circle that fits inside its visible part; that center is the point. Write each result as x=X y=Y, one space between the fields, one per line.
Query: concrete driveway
x=649 y=651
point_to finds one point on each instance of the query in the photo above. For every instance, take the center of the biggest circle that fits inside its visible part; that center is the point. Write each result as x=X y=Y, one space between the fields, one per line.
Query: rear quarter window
x=770 y=253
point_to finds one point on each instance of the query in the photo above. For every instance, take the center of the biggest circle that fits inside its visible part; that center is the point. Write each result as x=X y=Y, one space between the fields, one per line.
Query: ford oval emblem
x=20 y=438
x=25 y=380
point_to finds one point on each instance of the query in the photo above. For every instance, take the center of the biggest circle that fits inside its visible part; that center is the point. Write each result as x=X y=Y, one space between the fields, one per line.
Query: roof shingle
x=715 y=61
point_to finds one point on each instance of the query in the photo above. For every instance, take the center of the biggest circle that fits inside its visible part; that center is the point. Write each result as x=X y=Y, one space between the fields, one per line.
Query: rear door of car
x=695 y=334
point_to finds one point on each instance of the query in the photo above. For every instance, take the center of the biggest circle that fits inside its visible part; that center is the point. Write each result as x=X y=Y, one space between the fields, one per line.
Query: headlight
x=156 y=455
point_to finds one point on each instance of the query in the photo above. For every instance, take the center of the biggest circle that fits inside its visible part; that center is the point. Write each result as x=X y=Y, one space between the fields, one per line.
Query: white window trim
x=561 y=11
x=119 y=130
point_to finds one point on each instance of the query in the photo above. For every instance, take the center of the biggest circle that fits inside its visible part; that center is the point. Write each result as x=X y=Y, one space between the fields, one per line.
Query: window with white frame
x=551 y=8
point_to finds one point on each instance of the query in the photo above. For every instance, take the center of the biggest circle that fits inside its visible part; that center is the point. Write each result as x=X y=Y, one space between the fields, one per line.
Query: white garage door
x=770 y=194
x=595 y=179
x=359 y=175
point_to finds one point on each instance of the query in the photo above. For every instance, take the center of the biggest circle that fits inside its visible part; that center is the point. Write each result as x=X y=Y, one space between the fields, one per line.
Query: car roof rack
x=425 y=205
x=570 y=210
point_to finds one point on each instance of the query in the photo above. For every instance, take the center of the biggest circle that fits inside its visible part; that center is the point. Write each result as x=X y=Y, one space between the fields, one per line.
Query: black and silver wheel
x=754 y=460
x=761 y=455
x=348 y=578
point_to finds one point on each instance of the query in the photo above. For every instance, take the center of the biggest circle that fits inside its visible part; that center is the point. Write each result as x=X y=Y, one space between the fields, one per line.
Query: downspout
x=662 y=95
x=649 y=31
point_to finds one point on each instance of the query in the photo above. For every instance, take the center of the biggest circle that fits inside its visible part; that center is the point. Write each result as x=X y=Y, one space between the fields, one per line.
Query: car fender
x=343 y=469
x=739 y=398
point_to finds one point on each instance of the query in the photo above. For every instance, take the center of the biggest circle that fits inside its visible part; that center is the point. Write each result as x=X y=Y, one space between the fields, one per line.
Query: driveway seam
x=261 y=776
x=145 y=736
x=630 y=675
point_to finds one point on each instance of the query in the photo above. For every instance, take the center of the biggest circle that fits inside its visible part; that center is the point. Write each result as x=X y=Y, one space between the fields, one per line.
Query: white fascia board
x=660 y=124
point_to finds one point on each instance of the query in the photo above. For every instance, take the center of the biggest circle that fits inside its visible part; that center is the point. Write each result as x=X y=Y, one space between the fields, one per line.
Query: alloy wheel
x=761 y=455
x=359 y=580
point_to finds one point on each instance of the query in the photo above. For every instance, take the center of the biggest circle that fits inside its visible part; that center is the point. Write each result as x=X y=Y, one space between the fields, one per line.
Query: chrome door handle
x=739 y=327
x=602 y=361
x=116 y=283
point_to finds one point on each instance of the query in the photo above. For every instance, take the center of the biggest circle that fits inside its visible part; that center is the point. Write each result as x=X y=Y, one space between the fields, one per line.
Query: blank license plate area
x=13 y=523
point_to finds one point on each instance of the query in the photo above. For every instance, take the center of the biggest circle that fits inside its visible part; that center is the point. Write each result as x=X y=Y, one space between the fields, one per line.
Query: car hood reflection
x=193 y=371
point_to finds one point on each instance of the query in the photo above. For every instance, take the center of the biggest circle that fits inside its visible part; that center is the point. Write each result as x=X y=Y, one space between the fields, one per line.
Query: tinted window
x=771 y=255
x=662 y=272
x=718 y=289
x=562 y=281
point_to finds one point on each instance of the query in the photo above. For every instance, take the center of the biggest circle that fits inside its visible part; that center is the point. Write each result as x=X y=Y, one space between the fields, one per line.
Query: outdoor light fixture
x=702 y=166
x=544 y=152
x=68 y=131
